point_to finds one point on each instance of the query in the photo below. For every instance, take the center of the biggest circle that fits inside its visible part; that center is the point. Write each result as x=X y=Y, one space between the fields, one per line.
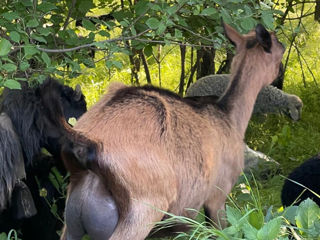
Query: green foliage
x=12 y=235
x=251 y=222
x=40 y=38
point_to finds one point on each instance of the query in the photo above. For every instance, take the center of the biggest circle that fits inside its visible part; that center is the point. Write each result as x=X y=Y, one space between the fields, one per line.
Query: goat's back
x=151 y=135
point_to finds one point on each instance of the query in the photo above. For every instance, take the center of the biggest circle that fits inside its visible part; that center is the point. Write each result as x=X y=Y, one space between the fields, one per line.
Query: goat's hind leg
x=140 y=220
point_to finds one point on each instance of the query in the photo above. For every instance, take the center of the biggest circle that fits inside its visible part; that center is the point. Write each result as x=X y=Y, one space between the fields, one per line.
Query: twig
x=90 y=44
x=173 y=43
x=302 y=16
x=305 y=61
x=196 y=34
x=293 y=38
x=66 y=23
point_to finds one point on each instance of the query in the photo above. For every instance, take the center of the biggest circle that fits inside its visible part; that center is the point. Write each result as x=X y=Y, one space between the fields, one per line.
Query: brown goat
x=151 y=150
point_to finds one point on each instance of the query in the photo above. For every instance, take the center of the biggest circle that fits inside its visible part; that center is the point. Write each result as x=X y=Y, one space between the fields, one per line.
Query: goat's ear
x=234 y=37
x=263 y=37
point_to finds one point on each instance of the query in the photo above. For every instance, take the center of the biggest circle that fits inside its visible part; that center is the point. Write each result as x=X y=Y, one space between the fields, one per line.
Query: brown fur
x=161 y=152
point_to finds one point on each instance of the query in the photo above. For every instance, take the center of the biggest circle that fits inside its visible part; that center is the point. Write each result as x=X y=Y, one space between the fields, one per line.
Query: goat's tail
x=78 y=151
x=11 y=160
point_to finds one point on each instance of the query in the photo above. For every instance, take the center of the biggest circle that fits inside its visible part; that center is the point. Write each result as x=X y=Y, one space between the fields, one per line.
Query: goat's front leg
x=214 y=206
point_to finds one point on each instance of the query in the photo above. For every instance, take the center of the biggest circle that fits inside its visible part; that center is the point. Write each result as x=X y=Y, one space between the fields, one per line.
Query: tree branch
x=119 y=39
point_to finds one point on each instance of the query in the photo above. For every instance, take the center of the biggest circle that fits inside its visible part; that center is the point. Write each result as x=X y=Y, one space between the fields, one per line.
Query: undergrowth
x=248 y=219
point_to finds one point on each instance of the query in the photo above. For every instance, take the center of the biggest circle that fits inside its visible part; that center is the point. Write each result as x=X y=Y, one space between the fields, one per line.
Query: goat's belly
x=90 y=210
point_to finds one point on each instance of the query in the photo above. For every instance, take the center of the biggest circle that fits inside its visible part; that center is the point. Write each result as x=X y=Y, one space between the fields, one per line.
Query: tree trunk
x=317 y=11
x=226 y=64
x=145 y=65
x=135 y=66
x=206 y=63
x=182 y=76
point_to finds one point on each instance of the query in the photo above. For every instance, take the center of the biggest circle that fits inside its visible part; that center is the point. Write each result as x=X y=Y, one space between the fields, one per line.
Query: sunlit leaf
x=14 y=36
x=153 y=23
x=12 y=84
x=5 y=47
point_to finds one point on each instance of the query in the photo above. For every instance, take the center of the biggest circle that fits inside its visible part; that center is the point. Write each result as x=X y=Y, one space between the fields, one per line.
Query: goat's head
x=258 y=43
x=73 y=102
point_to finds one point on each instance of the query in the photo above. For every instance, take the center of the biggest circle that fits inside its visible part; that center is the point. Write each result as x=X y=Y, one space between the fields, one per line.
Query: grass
x=290 y=143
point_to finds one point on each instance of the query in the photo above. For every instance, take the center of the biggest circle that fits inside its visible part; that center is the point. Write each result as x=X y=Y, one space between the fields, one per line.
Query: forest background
x=170 y=44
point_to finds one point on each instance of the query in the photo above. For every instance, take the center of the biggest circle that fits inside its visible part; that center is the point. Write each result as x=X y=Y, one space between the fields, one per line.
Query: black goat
x=32 y=129
x=307 y=174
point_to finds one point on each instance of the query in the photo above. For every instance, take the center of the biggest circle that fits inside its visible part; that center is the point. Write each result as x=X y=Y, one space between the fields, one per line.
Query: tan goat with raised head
x=149 y=149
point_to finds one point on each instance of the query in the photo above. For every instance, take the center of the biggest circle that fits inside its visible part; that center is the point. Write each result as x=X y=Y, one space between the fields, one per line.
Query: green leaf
x=5 y=47
x=290 y=214
x=10 y=15
x=209 y=12
x=12 y=84
x=46 y=58
x=27 y=3
x=57 y=175
x=9 y=67
x=155 y=7
x=117 y=64
x=267 y=18
x=46 y=7
x=233 y=215
x=54 y=209
x=247 y=23
x=307 y=214
x=45 y=31
x=88 y=25
x=104 y=33
x=153 y=23
x=124 y=23
x=38 y=38
x=161 y=29
x=226 y=16
x=32 y=23
x=133 y=30
x=54 y=181
x=88 y=62
x=14 y=36
x=3 y=236
x=24 y=66
x=74 y=65
x=270 y=230
x=111 y=64
x=141 y=7
x=148 y=50
x=29 y=51
x=85 y=237
x=177 y=33
x=256 y=219
x=85 y=5
x=250 y=232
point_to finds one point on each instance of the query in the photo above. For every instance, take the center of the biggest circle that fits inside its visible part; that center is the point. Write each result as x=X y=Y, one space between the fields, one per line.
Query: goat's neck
x=240 y=96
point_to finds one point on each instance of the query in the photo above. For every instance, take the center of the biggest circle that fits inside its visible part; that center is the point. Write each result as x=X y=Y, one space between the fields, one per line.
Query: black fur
x=225 y=98
x=35 y=130
x=134 y=93
x=307 y=174
x=28 y=115
x=251 y=44
x=9 y=158
x=263 y=37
